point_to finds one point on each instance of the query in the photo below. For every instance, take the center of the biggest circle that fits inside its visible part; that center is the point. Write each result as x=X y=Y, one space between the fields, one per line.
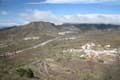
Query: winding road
x=35 y=46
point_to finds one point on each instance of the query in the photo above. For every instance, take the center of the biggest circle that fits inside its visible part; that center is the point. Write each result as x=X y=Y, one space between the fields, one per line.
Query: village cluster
x=91 y=50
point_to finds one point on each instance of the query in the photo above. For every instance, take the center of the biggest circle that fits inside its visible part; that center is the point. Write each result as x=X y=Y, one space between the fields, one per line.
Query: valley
x=59 y=52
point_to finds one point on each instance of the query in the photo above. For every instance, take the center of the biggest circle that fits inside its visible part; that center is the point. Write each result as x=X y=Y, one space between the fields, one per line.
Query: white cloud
x=38 y=15
x=77 y=1
x=3 y=13
x=92 y=18
x=8 y=22
x=72 y=1
x=5 y=24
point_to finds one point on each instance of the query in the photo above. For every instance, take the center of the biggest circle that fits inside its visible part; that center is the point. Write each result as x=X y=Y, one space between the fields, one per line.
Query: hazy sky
x=15 y=12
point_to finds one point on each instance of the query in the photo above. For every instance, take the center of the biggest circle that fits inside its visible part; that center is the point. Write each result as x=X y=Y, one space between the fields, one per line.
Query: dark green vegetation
x=25 y=72
x=48 y=62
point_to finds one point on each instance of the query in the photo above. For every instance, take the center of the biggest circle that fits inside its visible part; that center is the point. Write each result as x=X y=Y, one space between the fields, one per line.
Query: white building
x=31 y=38
x=65 y=32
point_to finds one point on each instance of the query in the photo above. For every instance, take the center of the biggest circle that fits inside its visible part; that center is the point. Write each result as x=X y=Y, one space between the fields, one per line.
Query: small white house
x=31 y=38
x=65 y=32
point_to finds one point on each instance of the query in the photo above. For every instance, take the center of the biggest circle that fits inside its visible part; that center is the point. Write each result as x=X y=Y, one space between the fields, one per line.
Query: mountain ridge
x=78 y=25
x=46 y=28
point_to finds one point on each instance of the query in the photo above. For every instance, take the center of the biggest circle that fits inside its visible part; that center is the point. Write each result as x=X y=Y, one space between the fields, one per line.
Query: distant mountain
x=47 y=26
x=6 y=28
x=33 y=28
x=93 y=26
x=37 y=28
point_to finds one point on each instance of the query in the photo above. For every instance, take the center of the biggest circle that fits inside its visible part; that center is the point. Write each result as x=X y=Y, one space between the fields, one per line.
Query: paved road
x=33 y=47
x=36 y=46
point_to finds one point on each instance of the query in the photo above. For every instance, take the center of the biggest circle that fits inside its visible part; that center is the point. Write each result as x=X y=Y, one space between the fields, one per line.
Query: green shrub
x=29 y=73
x=25 y=72
x=21 y=72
